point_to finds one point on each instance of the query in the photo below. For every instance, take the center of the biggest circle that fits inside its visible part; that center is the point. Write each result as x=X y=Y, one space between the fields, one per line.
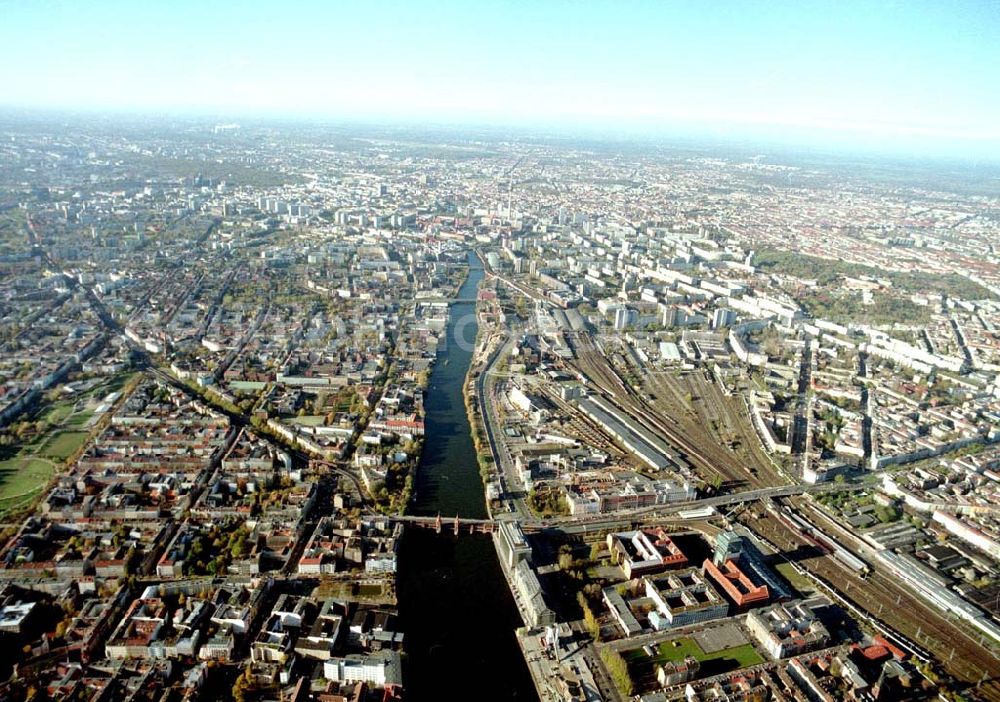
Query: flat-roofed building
x=739 y=547
x=533 y=603
x=644 y=551
x=788 y=629
x=621 y=612
x=683 y=598
x=14 y=617
x=513 y=546
x=381 y=668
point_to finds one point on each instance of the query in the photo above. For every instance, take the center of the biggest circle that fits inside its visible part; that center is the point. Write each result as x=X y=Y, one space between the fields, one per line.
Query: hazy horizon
x=733 y=141
x=883 y=77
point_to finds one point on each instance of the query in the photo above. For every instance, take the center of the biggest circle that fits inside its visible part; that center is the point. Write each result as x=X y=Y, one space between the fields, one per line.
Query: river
x=456 y=611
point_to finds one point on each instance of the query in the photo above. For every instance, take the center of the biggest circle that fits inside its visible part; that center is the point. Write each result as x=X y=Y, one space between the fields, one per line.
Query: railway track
x=696 y=457
x=581 y=428
x=901 y=610
x=878 y=595
x=687 y=423
x=736 y=419
x=661 y=386
x=707 y=457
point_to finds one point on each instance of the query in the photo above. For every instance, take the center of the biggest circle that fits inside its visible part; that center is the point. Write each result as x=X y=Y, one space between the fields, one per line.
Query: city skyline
x=510 y=351
x=324 y=412
x=898 y=77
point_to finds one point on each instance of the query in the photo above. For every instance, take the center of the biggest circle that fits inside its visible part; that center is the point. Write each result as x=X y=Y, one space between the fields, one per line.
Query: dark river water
x=457 y=613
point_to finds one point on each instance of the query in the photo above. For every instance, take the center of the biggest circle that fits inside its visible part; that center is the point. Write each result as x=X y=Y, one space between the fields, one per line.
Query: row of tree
x=618 y=669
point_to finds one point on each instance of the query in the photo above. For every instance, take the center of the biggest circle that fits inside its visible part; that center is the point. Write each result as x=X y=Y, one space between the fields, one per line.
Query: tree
x=423 y=379
x=618 y=669
x=243 y=683
x=589 y=620
x=596 y=549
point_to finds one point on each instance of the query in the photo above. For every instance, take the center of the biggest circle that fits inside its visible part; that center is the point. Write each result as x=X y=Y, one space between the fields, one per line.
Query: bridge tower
x=458 y=524
x=437 y=524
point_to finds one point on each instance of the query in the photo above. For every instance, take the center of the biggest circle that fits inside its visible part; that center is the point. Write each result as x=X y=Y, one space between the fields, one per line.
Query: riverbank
x=484 y=456
x=455 y=608
x=490 y=343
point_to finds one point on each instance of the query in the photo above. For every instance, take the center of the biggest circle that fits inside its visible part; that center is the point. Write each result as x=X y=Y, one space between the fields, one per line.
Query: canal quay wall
x=457 y=613
x=543 y=669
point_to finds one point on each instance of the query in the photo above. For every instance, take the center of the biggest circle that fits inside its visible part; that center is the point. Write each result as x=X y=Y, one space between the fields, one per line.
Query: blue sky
x=910 y=72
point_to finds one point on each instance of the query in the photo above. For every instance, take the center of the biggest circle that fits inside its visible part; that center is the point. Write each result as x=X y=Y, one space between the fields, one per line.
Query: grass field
x=79 y=419
x=20 y=475
x=641 y=666
x=63 y=444
x=116 y=383
x=308 y=420
x=59 y=412
x=247 y=385
x=797 y=581
x=742 y=656
x=352 y=592
x=25 y=473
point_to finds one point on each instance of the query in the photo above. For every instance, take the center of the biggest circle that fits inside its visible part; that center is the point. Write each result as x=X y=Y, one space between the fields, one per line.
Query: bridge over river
x=447 y=300
x=622 y=519
x=457 y=524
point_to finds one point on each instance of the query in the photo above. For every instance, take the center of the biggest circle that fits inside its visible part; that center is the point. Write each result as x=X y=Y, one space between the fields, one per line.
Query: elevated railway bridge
x=458 y=525
x=617 y=520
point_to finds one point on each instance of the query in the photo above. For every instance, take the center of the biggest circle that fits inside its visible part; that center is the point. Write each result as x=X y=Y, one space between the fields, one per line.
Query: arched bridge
x=447 y=300
x=456 y=524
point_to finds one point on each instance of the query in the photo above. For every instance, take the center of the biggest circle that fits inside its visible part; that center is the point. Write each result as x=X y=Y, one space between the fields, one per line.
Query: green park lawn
x=63 y=444
x=641 y=665
x=797 y=581
x=59 y=412
x=79 y=419
x=307 y=420
x=743 y=656
x=26 y=472
x=20 y=476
